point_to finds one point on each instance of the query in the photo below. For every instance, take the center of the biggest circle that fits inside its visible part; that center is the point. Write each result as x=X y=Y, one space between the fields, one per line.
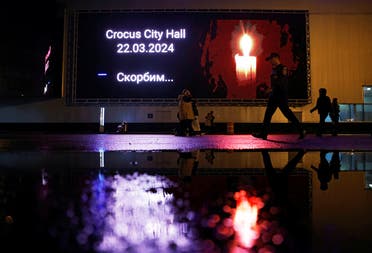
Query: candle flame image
x=245 y=220
x=245 y=64
x=246 y=44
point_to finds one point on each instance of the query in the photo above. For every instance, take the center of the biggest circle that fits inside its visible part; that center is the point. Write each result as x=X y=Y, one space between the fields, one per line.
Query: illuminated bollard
x=125 y=127
x=102 y=120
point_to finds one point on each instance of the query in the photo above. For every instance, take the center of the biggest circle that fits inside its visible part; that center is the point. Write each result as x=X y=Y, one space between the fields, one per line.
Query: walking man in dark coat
x=278 y=98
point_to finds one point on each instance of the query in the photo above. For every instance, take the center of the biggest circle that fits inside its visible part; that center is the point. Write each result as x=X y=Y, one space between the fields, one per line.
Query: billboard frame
x=71 y=50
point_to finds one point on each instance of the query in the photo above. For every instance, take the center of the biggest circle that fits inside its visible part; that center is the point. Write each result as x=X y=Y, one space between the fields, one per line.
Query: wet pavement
x=110 y=193
x=115 y=142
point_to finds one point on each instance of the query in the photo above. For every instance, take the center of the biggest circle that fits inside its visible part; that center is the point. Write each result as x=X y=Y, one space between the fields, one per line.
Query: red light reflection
x=245 y=219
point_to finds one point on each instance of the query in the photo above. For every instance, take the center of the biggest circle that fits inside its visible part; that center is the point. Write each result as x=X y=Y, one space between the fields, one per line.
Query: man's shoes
x=302 y=134
x=260 y=135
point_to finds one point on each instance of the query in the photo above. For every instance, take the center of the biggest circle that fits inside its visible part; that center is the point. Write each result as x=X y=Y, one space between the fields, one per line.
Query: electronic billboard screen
x=154 y=55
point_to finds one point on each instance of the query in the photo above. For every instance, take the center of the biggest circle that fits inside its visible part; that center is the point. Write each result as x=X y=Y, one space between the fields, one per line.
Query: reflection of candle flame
x=245 y=64
x=245 y=220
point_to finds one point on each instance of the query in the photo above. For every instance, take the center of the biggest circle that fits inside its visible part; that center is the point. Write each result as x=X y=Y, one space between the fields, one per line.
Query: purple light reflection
x=44 y=177
x=141 y=217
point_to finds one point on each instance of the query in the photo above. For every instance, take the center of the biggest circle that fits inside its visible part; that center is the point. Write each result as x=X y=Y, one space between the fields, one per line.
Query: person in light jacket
x=185 y=113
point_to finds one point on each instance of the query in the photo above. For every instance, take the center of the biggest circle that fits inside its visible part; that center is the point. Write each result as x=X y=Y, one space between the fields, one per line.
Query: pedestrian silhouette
x=335 y=164
x=280 y=207
x=209 y=122
x=324 y=171
x=278 y=181
x=278 y=98
x=323 y=105
x=195 y=123
x=288 y=168
x=185 y=113
x=209 y=155
x=188 y=163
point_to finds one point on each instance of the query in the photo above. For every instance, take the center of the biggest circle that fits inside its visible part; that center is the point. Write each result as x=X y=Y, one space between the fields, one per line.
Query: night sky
x=28 y=29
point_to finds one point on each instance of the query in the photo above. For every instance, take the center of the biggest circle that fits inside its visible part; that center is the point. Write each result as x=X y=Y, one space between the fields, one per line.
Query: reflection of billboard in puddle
x=116 y=206
x=139 y=215
x=152 y=213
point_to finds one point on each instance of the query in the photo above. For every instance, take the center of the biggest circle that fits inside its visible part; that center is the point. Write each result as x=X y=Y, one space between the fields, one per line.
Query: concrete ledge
x=168 y=128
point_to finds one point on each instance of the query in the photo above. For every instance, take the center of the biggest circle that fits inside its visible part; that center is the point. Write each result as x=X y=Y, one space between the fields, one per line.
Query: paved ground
x=137 y=142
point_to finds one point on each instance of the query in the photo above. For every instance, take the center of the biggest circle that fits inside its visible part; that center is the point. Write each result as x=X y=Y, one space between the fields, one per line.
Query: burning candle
x=245 y=64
